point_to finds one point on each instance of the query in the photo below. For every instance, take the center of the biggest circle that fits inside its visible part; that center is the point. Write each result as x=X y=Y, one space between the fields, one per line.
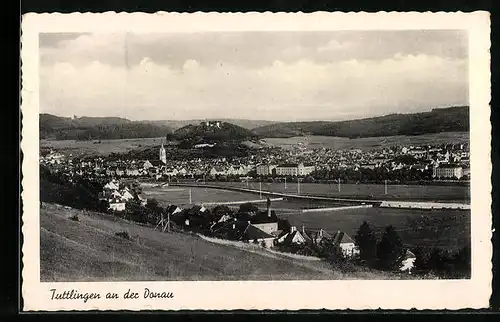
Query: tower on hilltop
x=163 y=154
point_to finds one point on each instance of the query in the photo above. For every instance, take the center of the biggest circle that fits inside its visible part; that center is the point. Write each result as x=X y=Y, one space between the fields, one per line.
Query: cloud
x=248 y=49
x=279 y=90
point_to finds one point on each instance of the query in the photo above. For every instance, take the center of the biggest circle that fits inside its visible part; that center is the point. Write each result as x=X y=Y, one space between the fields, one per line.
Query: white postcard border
x=274 y=295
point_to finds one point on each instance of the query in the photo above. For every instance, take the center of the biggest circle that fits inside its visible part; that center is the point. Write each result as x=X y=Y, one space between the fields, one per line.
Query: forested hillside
x=452 y=119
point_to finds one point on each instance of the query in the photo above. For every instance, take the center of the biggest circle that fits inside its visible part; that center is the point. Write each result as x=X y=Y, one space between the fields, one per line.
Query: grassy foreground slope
x=89 y=250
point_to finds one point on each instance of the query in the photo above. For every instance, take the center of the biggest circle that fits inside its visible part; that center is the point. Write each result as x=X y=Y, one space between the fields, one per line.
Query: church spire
x=163 y=153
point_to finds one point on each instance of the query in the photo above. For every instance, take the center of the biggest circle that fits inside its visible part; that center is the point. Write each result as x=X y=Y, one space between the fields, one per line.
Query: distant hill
x=451 y=119
x=201 y=133
x=97 y=128
x=246 y=124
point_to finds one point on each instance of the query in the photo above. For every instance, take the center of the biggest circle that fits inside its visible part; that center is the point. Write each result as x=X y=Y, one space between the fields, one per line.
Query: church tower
x=163 y=154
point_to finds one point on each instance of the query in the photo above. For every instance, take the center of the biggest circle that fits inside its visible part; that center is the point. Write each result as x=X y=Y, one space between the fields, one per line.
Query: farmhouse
x=256 y=235
x=408 y=261
x=321 y=236
x=346 y=244
x=117 y=204
x=266 y=221
x=293 y=236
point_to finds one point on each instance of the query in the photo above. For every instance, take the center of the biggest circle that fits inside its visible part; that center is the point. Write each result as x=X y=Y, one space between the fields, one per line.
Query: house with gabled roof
x=321 y=236
x=116 y=204
x=112 y=185
x=126 y=195
x=146 y=165
x=407 y=261
x=253 y=234
x=346 y=244
x=293 y=236
x=265 y=221
x=173 y=209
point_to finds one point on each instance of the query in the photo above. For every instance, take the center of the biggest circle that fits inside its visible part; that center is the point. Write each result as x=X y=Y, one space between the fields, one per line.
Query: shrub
x=123 y=234
x=74 y=217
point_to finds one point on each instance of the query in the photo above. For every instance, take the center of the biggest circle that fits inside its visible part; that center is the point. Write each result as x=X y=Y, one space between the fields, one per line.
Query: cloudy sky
x=282 y=76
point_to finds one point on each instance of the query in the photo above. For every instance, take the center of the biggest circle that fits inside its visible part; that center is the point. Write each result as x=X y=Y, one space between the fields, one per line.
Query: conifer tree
x=367 y=242
x=390 y=249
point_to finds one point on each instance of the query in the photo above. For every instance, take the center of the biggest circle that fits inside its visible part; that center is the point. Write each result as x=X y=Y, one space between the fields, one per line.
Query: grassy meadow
x=460 y=194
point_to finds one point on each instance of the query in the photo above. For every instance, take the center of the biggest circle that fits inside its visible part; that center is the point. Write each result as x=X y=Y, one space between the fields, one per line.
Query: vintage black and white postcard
x=256 y=161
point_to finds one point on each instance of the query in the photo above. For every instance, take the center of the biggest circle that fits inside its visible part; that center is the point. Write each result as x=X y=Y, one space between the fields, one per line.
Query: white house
x=117 y=204
x=408 y=262
x=346 y=244
x=293 y=236
x=253 y=234
x=147 y=165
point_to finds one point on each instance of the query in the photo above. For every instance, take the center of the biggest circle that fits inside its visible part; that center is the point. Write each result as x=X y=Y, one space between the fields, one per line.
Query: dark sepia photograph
x=222 y=161
x=254 y=156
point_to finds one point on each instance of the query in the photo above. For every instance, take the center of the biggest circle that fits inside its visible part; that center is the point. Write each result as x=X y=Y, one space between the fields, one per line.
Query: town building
x=265 y=169
x=294 y=169
x=450 y=171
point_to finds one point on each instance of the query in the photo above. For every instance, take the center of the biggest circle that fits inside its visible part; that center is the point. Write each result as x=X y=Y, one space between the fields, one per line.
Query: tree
x=367 y=243
x=390 y=249
x=248 y=207
x=422 y=256
x=153 y=205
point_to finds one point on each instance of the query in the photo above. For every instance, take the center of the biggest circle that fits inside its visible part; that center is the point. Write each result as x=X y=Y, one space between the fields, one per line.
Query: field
x=88 y=250
x=435 y=228
x=104 y=148
x=338 y=143
x=449 y=229
x=180 y=195
x=436 y=193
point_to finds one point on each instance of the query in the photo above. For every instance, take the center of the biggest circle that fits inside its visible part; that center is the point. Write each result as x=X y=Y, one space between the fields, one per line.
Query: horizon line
x=261 y=120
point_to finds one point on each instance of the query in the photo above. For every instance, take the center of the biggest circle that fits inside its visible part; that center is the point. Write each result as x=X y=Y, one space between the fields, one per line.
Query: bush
x=74 y=217
x=123 y=234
